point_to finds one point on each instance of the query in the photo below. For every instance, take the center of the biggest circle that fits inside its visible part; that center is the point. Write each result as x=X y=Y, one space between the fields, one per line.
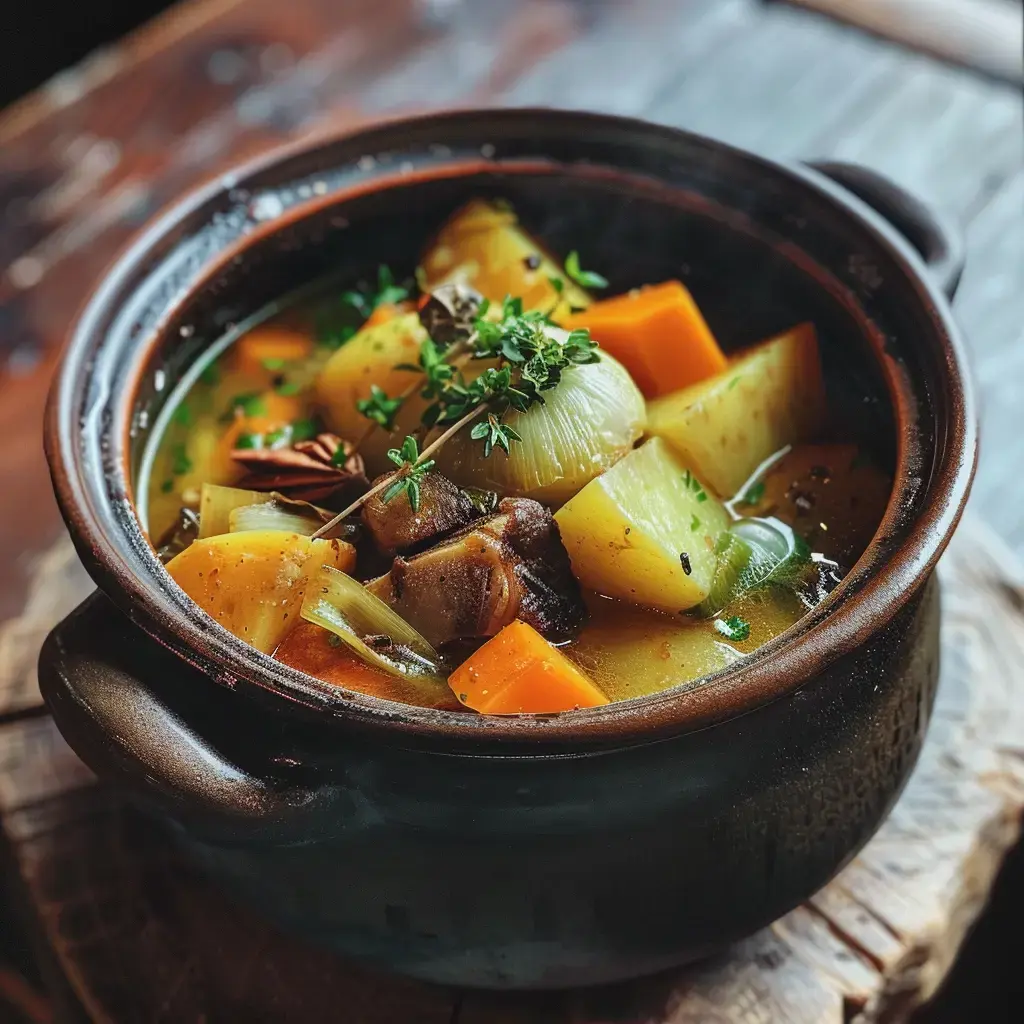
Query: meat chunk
x=510 y=565
x=397 y=529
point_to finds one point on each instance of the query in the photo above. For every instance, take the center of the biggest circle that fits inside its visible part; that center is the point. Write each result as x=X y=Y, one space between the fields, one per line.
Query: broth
x=662 y=510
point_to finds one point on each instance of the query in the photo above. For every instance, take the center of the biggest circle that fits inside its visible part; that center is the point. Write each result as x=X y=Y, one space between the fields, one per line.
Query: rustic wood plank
x=142 y=938
x=982 y=34
x=990 y=306
x=632 y=53
x=777 y=86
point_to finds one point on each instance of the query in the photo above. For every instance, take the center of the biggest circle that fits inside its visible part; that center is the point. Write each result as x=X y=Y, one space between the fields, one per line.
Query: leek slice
x=364 y=623
x=752 y=555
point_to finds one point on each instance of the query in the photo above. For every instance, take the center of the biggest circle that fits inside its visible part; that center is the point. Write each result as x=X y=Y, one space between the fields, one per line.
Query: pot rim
x=858 y=608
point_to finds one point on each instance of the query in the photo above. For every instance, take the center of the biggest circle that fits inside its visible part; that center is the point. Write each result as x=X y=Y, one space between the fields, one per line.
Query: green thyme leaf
x=584 y=278
x=379 y=408
x=733 y=628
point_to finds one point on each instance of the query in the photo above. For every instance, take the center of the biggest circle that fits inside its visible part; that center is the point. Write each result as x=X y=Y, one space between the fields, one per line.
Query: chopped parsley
x=249 y=441
x=732 y=383
x=274 y=364
x=287 y=388
x=210 y=374
x=182 y=415
x=167 y=486
x=695 y=523
x=733 y=628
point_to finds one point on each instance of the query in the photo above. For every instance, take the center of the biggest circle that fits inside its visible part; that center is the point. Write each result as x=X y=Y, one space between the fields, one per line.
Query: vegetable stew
x=494 y=489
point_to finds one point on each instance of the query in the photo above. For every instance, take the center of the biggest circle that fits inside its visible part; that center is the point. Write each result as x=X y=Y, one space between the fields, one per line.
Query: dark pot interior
x=382 y=829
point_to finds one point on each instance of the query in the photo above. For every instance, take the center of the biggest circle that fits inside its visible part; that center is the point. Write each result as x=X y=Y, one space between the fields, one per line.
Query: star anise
x=323 y=471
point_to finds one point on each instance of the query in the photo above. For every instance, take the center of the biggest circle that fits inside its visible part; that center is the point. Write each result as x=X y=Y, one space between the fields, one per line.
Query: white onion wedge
x=586 y=424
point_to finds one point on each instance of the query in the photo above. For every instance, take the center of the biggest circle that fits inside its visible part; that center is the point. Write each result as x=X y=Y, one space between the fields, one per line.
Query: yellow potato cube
x=724 y=427
x=645 y=531
x=253 y=583
x=482 y=245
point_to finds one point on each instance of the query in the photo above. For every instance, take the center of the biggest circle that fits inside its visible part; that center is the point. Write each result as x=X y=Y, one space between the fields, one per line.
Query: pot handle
x=135 y=711
x=932 y=234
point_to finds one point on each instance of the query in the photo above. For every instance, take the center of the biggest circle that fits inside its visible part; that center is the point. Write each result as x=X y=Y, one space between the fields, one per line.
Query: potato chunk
x=483 y=246
x=253 y=583
x=726 y=426
x=369 y=358
x=645 y=531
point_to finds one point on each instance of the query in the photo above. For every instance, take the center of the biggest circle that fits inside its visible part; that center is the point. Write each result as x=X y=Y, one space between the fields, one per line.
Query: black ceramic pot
x=523 y=852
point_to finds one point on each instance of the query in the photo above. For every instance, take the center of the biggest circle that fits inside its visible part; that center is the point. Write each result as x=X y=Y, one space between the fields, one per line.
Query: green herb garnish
x=274 y=364
x=753 y=494
x=180 y=462
x=248 y=441
x=167 y=486
x=287 y=388
x=584 y=278
x=693 y=484
x=379 y=408
x=210 y=374
x=733 y=628
x=410 y=472
x=364 y=300
x=182 y=416
x=732 y=383
x=251 y=404
x=304 y=430
x=694 y=523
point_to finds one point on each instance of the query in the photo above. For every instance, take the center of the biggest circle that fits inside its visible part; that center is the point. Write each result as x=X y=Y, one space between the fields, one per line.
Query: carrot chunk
x=519 y=672
x=273 y=344
x=657 y=333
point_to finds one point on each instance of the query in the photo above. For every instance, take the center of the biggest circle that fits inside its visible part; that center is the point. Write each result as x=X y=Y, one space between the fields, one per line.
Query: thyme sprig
x=531 y=355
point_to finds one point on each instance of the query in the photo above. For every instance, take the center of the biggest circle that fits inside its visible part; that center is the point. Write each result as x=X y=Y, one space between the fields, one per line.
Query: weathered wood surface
x=141 y=938
x=88 y=158
x=982 y=34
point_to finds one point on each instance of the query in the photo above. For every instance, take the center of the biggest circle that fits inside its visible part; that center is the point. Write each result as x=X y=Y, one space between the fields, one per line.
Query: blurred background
x=105 y=116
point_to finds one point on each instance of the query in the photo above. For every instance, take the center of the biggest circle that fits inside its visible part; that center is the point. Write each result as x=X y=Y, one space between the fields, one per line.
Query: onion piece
x=216 y=504
x=272 y=515
x=364 y=623
x=585 y=425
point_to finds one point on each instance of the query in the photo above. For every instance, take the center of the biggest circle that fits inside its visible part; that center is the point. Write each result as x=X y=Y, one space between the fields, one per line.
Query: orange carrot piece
x=519 y=672
x=270 y=342
x=657 y=333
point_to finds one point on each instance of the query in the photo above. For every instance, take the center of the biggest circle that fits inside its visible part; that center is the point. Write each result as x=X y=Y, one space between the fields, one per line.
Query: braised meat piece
x=510 y=565
x=397 y=529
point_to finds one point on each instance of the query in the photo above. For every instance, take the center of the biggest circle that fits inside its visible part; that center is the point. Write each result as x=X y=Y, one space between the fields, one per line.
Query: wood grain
x=142 y=938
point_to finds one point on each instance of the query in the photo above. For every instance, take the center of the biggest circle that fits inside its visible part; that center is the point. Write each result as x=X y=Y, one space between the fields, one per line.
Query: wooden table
x=92 y=155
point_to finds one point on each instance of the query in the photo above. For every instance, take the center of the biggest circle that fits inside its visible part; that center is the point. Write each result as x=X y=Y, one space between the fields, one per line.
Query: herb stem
x=392 y=477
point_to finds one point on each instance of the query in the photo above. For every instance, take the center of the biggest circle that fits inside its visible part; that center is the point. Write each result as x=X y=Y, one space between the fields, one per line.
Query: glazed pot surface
x=536 y=851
